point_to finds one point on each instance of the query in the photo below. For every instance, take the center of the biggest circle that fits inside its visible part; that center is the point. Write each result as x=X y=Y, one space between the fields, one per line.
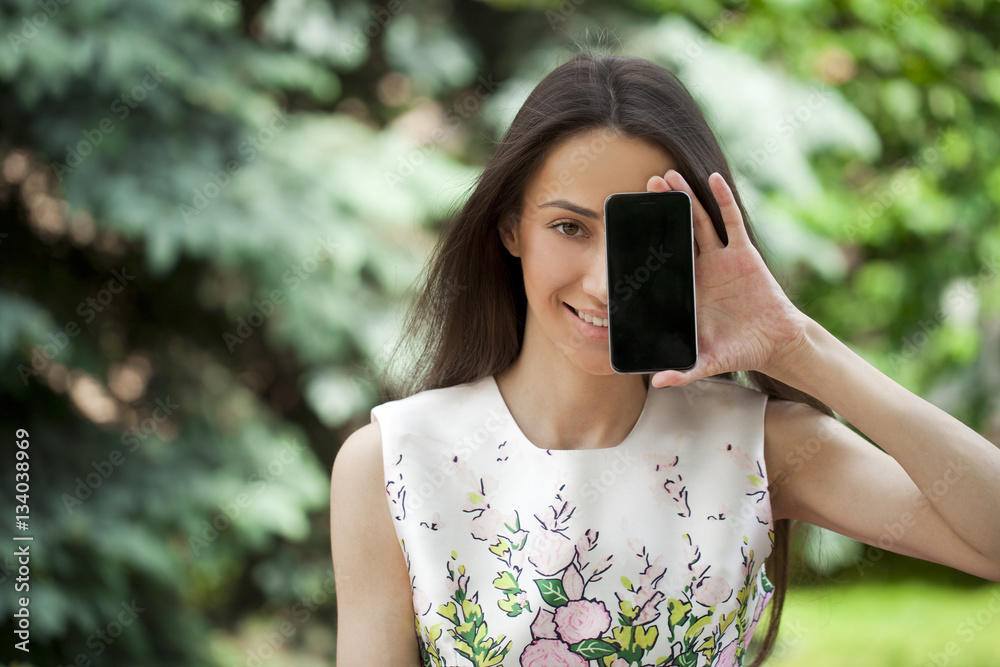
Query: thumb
x=680 y=378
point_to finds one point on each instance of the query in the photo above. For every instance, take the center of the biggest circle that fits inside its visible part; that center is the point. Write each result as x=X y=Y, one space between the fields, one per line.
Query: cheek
x=547 y=269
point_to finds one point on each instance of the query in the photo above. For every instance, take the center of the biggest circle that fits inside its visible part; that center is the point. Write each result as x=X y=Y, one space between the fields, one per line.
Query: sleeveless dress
x=647 y=553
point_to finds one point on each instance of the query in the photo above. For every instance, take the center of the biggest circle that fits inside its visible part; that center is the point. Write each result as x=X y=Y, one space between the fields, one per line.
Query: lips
x=588 y=329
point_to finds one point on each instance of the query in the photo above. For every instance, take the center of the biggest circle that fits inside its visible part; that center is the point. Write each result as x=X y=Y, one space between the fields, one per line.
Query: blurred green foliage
x=211 y=212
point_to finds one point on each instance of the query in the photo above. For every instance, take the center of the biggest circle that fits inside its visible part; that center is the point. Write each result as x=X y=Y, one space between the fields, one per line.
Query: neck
x=557 y=405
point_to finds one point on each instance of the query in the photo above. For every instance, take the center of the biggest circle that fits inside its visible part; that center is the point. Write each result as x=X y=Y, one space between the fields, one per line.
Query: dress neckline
x=523 y=439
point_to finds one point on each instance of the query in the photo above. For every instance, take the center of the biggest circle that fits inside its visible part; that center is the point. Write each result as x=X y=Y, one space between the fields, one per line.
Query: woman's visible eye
x=570 y=229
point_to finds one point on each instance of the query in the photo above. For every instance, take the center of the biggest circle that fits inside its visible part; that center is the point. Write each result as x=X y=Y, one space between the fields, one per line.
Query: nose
x=595 y=281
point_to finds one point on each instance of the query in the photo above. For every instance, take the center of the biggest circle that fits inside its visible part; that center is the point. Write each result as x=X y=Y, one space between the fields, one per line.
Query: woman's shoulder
x=359 y=457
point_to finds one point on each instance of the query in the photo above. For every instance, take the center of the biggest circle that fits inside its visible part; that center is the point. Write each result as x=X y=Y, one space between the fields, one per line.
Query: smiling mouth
x=596 y=321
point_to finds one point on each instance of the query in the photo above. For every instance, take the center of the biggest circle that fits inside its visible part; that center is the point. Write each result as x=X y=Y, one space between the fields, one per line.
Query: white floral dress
x=647 y=553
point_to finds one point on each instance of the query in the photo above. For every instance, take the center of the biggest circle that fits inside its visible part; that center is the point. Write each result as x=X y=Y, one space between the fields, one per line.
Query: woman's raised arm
x=933 y=493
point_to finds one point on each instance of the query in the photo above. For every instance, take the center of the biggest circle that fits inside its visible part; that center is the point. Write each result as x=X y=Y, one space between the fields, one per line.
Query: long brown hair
x=467 y=321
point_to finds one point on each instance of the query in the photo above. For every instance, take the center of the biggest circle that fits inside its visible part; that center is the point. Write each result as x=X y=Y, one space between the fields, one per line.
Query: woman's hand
x=937 y=500
x=745 y=321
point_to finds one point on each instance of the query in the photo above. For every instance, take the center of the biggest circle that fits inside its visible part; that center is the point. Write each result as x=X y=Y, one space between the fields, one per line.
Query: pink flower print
x=649 y=612
x=622 y=662
x=677 y=495
x=763 y=510
x=488 y=524
x=721 y=512
x=649 y=579
x=572 y=583
x=711 y=591
x=556 y=519
x=550 y=552
x=692 y=554
x=727 y=656
x=550 y=653
x=516 y=557
x=659 y=461
x=460 y=582
x=646 y=596
x=544 y=625
x=661 y=466
x=396 y=491
x=758 y=612
x=582 y=619
x=421 y=603
x=762 y=604
x=468 y=478
x=587 y=542
x=735 y=454
x=584 y=546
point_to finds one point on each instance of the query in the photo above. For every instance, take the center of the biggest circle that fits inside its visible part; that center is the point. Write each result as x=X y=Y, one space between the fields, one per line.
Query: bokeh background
x=211 y=212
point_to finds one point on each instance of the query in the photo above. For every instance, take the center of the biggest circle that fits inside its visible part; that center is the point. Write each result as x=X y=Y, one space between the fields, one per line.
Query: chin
x=592 y=364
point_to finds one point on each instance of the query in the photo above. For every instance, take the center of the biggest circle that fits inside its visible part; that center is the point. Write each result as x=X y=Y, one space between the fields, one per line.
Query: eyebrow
x=570 y=206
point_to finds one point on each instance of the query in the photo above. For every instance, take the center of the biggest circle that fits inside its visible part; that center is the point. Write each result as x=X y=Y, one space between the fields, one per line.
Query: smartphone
x=649 y=241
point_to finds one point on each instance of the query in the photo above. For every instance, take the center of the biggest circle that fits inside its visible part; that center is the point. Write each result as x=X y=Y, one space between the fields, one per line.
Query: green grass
x=889 y=624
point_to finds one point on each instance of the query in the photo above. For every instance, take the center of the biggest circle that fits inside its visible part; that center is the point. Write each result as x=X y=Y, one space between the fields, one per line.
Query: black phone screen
x=651 y=301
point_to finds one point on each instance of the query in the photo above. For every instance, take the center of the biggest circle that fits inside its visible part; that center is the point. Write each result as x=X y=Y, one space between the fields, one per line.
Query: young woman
x=525 y=505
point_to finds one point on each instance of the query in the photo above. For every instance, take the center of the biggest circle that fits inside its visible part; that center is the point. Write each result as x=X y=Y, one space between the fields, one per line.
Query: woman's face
x=560 y=240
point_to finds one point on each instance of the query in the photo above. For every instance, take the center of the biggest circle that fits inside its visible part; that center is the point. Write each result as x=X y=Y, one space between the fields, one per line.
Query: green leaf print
x=506 y=582
x=511 y=605
x=692 y=633
x=679 y=612
x=592 y=649
x=766 y=583
x=552 y=592
x=470 y=632
x=689 y=659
